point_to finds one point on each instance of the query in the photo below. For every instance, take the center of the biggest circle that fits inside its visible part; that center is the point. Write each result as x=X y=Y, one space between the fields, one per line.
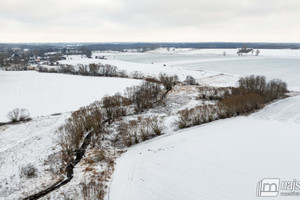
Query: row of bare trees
x=270 y=90
x=252 y=93
x=87 y=70
x=144 y=96
x=93 y=118
x=80 y=123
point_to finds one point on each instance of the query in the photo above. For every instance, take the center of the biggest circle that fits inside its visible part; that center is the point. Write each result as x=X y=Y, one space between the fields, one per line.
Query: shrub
x=184 y=119
x=66 y=69
x=100 y=155
x=271 y=90
x=72 y=133
x=196 y=116
x=108 y=70
x=241 y=104
x=139 y=130
x=28 y=171
x=127 y=131
x=17 y=115
x=152 y=79
x=83 y=70
x=253 y=84
x=94 y=69
x=114 y=107
x=214 y=93
x=92 y=190
x=137 y=75
x=122 y=74
x=168 y=81
x=190 y=80
x=156 y=125
x=143 y=96
x=43 y=69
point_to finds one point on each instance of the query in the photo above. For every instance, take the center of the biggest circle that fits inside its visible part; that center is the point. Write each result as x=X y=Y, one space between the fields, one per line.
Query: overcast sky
x=149 y=20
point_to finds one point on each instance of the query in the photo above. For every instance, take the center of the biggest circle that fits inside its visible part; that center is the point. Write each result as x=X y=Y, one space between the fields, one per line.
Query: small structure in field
x=189 y=80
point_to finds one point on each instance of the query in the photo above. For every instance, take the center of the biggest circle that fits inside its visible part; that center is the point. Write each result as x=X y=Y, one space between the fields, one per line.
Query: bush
x=139 y=130
x=253 y=84
x=128 y=132
x=122 y=74
x=196 y=116
x=71 y=134
x=115 y=107
x=29 y=171
x=168 y=81
x=100 y=155
x=152 y=79
x=270 y=91
x=241 y=104
x=17 y=115
x=137 y=75
x=214 y=93
x=143 y=96
x=94 y=69
x=92 y=190
x=190 y=80
x=67 y=69
x=108 y=70
x=156 y=125
x=83 y=70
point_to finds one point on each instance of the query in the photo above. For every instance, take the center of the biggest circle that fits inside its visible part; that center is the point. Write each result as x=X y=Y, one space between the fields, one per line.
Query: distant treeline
x=46 y=47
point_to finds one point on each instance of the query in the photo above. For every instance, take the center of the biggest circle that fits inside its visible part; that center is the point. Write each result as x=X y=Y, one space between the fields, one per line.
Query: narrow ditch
x=70 y=170
x=70 y=167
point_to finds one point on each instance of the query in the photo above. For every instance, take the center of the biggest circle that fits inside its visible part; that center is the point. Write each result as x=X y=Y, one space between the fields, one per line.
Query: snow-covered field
x=33 y=142
x=23 y=144
x=203 y=63
x=45 y=94
x=224 y=159
x=286 y=110
x=220 y=160
x=282 y=64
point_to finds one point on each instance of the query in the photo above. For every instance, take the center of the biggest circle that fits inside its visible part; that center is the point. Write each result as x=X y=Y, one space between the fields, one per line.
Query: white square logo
x=268 y=187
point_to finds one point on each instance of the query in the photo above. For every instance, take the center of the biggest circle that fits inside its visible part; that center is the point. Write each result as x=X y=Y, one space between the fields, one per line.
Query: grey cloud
x=149 y=20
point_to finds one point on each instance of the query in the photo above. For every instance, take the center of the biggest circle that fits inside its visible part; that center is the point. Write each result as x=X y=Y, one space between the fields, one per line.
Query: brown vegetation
x=168 y=81
x=252 y=93
x=18 y=115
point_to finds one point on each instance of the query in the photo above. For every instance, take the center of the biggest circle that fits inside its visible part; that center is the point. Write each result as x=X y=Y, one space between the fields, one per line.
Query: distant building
x=244 y=50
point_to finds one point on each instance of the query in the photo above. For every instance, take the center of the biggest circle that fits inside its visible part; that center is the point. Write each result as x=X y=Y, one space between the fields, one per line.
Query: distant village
x=18 y=58
x=22 y=59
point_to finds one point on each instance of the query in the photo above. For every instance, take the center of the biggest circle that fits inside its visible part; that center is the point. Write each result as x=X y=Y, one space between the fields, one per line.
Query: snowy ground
x=224 y=159
x=221 y=160
x=23 y=144
x=208 y=66
x=44 y=93
x=35 y=142
x=148 y=69
x=286 y=110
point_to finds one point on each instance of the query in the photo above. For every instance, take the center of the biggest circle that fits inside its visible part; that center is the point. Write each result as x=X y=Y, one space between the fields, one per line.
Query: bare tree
x=257 y=52
x=18 y=115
